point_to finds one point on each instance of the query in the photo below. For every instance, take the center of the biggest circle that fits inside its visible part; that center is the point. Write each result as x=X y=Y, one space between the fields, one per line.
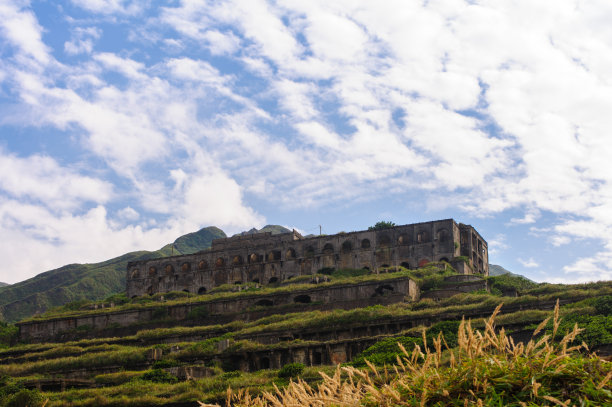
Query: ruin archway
x=169 y=269
x=220 y=262
x=202 y=290
x=290 y=254
x=273 y=280
x=328 y=249
x=152 y=271
x=264 y=363
x=185 y=267
x=365 y=244
x=237 y=260
x=302 y=299
x=202 y=265
x=347 y=247
x=264 y=303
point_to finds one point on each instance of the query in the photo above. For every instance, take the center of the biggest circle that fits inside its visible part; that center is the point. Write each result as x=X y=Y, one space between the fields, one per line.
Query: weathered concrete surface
x=267 y=258
x=340 y=296
x=454 y=285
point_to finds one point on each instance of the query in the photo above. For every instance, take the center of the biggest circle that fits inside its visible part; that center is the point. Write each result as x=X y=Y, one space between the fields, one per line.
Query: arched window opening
x=422 y=237
x=365 y=244
x=152 y=271
x=185 y=267
x=264 y=303
x=237 y=260
x=444 y=259
x=186 y=291
x=202 y=290
x=403 y=239
x=202 y=265
x=317 y=358
x=328 y=249
x=273 y=280
x=220 y=262
x=169 y=269
x=253 y=258
x=256 y=280
x=274 y=255
x=309 y=252
x=290 y=254
x=405 y=265
x=135 y=273
x=347 y=247
x=382 y=290
x=237 y=282
x=302 y=299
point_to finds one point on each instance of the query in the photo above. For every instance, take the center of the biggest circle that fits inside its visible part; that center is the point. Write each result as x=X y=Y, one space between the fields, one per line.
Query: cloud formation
x=209 y=108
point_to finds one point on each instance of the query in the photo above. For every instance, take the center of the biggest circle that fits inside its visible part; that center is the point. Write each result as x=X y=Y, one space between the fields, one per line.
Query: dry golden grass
x=486 y=369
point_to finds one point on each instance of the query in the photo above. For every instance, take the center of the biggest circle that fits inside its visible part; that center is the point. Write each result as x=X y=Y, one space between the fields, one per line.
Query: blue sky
x=125 y=124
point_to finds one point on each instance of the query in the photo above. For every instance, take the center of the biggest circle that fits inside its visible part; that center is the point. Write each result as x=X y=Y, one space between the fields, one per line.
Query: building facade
x=265 y=258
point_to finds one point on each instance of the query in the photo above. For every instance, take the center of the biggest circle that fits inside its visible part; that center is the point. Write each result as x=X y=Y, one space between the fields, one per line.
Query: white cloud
x=111 y=6
x=42 y=179
x=82 y=40
x=22 y=30
x=504 y=107
x=529 y=263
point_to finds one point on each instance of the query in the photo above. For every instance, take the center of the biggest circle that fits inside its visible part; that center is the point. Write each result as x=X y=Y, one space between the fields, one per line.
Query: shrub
x=385 y=352
x=383 y=224
x=159 y=376
x=487 y=369
x=291 y=370
x=232 y=374
x=603 y=305
x=26 y=398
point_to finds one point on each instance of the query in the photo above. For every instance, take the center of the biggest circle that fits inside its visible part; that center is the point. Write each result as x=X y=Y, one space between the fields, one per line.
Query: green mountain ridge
x=3 y=284
x=88 y=281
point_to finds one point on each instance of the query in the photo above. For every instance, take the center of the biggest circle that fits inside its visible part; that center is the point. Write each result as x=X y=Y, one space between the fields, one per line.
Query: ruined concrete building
x=265 y=258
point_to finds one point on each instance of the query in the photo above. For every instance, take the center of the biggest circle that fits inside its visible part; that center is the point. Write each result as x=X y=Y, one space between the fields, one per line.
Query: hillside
x=88 y=281
x=175 y=359
x=3 y=284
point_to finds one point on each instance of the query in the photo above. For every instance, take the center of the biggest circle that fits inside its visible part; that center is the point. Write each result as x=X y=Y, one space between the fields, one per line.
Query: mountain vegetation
x=476 y=361
x=88 y=281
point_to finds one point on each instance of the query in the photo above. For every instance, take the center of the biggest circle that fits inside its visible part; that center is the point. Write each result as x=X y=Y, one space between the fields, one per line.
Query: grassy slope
x=89 y=281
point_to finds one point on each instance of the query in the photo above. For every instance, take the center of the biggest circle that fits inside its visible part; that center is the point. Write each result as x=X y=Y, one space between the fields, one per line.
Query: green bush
x=164 y=363
x=291 y=370
x=603 y=305
x=159 y=376
x=232 y=374
x=26 y=398
x=8 y=334
x=383 y=224
x=385 y=352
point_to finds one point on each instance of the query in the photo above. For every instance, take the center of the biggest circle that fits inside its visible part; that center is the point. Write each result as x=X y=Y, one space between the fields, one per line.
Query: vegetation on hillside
x=486 y=368
x=76 y=282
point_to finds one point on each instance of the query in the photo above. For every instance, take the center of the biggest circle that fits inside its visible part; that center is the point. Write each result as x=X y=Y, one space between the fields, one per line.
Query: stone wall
x=328 y=297
x=265 y=258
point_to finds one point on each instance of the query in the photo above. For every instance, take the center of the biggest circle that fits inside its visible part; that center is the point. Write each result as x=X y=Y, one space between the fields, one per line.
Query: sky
x=125 y=124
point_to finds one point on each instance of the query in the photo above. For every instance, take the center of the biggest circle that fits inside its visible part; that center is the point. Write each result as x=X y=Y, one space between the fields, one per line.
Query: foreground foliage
x=486 y=368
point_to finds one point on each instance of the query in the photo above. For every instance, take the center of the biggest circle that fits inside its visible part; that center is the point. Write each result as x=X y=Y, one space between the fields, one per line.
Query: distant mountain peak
x=274 y=229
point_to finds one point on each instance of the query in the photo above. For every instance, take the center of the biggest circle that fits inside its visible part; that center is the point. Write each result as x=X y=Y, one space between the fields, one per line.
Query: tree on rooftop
x=383 y=224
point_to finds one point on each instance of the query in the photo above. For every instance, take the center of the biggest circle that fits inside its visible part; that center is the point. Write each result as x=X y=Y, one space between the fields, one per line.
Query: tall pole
x=319 y=230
